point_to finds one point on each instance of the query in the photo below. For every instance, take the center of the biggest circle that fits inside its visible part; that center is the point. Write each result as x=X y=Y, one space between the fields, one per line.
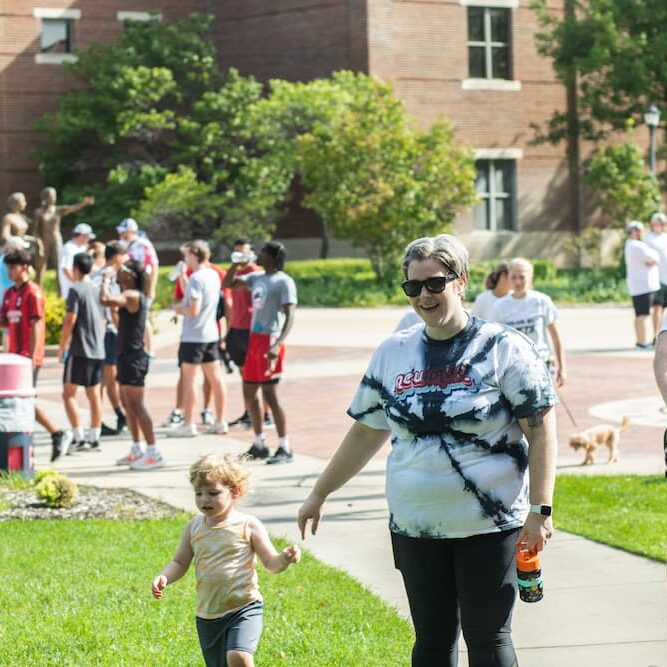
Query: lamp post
x=652 y=119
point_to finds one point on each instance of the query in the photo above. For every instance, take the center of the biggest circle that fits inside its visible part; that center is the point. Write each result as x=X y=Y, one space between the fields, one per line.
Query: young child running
x=224 y=544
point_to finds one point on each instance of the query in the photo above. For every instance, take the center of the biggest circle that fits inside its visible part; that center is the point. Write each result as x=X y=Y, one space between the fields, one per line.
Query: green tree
x=623 y=188
x=378 y=181
x=616 y=48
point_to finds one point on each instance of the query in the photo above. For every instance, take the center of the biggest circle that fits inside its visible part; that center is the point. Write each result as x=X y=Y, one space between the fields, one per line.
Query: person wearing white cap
x=140 y=249
x=81 y=234
x=657 y=239
x=643 y=280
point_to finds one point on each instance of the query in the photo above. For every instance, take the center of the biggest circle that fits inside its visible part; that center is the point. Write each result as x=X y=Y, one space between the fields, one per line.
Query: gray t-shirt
x=83 y=299
x=270 y=292
x=204 y=285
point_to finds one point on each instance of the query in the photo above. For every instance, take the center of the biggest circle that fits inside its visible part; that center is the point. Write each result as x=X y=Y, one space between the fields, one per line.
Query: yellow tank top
x=224 y=565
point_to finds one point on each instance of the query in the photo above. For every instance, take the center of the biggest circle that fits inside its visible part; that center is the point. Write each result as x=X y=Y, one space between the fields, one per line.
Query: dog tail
x=625 y=424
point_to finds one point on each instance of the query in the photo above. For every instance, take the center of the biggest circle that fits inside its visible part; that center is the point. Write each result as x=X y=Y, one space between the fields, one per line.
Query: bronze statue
x=47 y=223
x=15 y=223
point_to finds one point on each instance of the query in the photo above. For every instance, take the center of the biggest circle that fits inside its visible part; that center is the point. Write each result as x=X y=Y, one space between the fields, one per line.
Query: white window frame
x=491 y=156
x=55 y=13
x=474 y=83
x=138 y=16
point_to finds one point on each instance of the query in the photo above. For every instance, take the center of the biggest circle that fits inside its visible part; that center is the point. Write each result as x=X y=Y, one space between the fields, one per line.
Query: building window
x=56 y=36
x=489 y=42
x=495 y=185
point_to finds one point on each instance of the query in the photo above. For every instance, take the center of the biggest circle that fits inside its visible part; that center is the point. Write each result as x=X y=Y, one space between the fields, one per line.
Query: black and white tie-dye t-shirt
x=459 y=459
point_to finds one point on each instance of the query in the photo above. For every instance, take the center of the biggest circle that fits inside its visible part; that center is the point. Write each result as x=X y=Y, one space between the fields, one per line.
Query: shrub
x=54 y=316
x=43 y=474
x=57 y=490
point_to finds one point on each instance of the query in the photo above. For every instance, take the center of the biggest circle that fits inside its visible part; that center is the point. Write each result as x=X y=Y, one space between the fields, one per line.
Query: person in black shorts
x=81 y=350
x=132 y=361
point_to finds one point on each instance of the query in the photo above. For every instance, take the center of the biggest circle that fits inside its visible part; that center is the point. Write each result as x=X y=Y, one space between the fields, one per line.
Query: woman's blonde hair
x=216 y=469
x=447 y=249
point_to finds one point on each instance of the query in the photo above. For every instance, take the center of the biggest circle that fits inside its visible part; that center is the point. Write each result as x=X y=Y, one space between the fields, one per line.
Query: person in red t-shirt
x=22 y=312
x=238 y=334
x=175 y=418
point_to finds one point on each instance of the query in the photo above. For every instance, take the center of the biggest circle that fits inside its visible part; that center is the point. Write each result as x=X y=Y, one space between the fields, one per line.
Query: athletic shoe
x=107 y=430
x=60 y=444
x=130 y=458
x=644 y=346
x=207 y=417
x=221 y=428
x=148 y=462
x=255 y=453
x=121 y=424
x=243 y=420
x=183 y=431
x=78 y=446
x=281 y=456
x=268 y=422
x=174 y=419
x=94 y=447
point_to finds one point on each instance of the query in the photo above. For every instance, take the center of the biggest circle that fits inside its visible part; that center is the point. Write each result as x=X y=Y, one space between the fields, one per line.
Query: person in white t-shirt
x=657 y=239
x=642 y=278
x=469 y=407
x=533 y=314
x=497 y=285
x=200 y=339
x=81 y=235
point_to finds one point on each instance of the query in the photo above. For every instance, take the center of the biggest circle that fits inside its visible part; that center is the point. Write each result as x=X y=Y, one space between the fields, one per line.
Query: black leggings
x=454 y=584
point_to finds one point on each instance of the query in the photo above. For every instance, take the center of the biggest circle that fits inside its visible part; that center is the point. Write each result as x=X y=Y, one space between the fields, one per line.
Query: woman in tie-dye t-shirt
x=468 y=406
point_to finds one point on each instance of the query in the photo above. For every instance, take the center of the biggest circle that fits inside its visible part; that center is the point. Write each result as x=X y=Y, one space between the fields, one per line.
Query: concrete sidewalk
x=602 y=606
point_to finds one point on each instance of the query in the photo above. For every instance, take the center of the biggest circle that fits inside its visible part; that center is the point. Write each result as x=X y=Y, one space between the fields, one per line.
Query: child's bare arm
x=175 y=569
x=272 y=560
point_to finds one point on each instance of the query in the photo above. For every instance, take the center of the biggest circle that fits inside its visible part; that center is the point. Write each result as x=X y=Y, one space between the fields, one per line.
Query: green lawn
x=628 y=512
x=78 y=593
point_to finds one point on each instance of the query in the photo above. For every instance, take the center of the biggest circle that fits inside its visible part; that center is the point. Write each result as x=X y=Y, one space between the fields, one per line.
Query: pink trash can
x=17 y=413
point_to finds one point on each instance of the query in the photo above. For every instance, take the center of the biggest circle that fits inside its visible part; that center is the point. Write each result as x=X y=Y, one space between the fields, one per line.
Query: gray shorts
x=237 y=631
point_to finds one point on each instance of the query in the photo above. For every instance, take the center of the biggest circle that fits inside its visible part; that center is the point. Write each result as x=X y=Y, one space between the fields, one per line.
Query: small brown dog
x=596 y=436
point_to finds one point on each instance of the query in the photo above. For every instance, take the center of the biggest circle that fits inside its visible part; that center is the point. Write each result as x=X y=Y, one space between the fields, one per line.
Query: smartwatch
x=544 y=510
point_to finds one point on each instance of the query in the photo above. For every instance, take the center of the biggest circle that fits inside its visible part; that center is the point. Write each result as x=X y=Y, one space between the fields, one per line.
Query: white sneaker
x=174 y=419
x=207 y=417
x=183 y=431
x=130 y=458
x=148 y=462
x=221 y=428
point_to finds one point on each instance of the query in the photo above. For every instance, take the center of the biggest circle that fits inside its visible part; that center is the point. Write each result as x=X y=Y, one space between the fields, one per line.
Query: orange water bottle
x=529 y=574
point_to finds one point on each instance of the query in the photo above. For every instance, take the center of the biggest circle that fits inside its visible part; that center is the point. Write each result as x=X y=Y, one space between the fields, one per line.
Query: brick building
x=472 y=61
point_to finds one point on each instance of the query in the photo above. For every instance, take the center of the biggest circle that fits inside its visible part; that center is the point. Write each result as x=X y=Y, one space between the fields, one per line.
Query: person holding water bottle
x=273 y=303
x=469 y=408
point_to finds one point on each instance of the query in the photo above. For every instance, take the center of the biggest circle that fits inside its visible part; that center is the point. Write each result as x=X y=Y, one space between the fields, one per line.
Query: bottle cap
x=526 y=561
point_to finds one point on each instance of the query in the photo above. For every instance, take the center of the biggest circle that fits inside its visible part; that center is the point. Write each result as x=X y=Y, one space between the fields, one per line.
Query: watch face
x=545 y=510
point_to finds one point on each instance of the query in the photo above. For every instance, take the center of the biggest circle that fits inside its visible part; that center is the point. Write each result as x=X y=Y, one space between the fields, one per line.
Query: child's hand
x=291 y=554
x=158 y=586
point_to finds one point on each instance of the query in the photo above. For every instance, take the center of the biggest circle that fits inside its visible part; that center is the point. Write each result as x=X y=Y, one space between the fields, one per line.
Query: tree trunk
x=324 y=246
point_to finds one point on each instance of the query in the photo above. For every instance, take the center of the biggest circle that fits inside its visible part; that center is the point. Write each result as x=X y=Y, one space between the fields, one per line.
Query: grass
x=628 y=511
x=79 y=594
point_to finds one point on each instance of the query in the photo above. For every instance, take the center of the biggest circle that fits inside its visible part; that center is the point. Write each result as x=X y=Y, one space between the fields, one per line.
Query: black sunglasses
x=435 y=285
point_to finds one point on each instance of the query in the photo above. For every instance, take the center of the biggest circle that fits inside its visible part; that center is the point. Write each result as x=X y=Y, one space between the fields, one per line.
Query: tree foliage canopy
x=617 y=49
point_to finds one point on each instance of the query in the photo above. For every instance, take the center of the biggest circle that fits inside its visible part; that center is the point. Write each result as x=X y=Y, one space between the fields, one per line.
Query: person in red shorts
x=274 y=299
x=22 y=312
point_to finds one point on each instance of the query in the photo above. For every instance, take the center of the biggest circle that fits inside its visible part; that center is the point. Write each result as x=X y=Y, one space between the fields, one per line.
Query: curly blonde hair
x=212 y=469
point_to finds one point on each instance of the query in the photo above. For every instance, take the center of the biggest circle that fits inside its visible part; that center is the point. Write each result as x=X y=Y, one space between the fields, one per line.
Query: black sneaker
x=255 y=453
x=268 y=422
x=94 y=447
x=60 y=444
x=107 y=430
x=281 y=456
x=243 y=420
x=78 y=446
